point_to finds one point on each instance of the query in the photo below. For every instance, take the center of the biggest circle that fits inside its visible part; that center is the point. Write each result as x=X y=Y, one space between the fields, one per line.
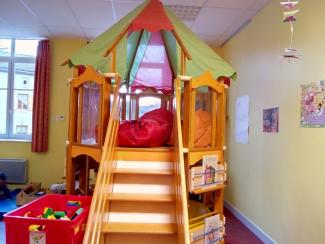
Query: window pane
x=26 y=48
x=3 y=111
x=22 y=116
x=24 y=76
x=90 y=112
x=3 y=75
x=5 y=47
x=147 y=104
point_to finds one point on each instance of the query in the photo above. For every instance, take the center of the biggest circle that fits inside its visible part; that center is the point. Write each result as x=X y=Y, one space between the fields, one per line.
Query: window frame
x=12 y=60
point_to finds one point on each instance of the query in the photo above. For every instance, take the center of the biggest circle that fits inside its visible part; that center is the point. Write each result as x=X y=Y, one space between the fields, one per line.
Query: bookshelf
x=205 y=166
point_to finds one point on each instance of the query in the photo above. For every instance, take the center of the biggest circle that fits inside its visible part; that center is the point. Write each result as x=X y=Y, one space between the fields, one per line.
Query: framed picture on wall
x=271 y=120
x=312 y=112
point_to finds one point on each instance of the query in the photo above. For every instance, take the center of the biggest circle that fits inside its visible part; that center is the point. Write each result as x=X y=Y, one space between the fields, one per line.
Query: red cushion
x=150 y=130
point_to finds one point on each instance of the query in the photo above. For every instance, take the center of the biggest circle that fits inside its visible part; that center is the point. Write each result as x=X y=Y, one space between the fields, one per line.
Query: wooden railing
x=100 y=204
x=134 y=103
x=180 y=181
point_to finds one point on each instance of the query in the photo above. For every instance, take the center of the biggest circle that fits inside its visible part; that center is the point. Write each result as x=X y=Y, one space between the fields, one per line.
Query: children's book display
x=210 y=231
x=207 y=175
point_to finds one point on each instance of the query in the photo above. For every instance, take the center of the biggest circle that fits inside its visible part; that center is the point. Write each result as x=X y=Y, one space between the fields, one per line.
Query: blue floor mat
x=7 y=205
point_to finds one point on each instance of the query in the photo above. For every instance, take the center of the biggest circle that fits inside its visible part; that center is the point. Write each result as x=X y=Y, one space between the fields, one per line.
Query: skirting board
x=250 y=225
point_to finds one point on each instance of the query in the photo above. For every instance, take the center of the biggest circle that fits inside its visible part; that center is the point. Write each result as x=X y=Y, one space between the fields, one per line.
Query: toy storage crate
x=56 y=231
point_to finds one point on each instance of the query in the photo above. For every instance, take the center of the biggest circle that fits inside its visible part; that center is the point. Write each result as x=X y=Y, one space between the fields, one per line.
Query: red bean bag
x=150 y=130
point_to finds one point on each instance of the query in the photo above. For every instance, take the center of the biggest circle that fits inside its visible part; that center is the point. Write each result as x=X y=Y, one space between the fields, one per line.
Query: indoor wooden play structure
x=171 y=193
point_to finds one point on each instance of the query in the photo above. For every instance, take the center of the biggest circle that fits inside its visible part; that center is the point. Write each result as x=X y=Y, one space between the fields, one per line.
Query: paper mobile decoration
x=291 y=53
x=290 y=50
x=290 y=17
x=289 y=56
x=289 y=4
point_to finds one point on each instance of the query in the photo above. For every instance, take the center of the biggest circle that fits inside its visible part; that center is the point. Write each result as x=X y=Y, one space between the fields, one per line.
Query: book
x=211 y=173
x=210 y=167
x=213 y=229
x=197 y=178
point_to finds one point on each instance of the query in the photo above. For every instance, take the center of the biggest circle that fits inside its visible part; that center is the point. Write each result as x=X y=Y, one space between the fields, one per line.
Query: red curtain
x=41 y=98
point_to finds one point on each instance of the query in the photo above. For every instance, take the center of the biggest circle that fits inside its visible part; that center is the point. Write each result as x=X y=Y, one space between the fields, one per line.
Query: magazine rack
x=207 y=226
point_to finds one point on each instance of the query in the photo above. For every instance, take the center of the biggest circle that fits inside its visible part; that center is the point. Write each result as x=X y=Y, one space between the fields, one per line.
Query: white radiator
x=15 y=169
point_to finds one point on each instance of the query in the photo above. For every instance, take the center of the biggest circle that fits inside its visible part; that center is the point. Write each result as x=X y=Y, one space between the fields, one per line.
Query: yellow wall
x=48 y=168
x=278 y=180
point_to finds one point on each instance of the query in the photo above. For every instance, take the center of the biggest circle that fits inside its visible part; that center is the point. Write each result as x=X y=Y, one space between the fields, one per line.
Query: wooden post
x=221 y=119
x=80 y=112
x=183 y=63
x=213 y=102
x=113 y=60
x=99 y=132
x=186 y=113
x=87 y=176
x=72 y=135
x=105 y=108
x=123 y=97
x=137 y=107
x=192 y=121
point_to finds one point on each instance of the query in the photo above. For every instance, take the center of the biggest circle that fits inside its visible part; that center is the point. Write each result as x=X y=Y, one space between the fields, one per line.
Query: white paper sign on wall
x=242 y=119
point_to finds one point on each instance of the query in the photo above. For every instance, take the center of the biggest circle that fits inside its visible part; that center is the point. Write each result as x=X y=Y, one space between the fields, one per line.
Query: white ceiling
x=217 y=21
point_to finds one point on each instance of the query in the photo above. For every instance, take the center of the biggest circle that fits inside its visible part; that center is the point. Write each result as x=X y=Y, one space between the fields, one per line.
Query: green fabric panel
x=139 y=55
x=171 y=49
x=131 y=48
x=204 y=58
x=92 y=54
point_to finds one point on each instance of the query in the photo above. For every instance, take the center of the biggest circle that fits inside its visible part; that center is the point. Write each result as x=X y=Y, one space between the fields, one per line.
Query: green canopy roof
x=203 y=57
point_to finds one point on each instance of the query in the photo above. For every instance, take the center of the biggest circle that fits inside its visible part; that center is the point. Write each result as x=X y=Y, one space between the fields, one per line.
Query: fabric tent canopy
x=134 y=33
x=153 y=70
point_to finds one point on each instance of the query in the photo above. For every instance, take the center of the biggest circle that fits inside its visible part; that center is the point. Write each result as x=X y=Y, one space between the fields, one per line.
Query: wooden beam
x=113 y=60
x=117 y=40
x=65 y=62
x=183 y=63
x=180 y=42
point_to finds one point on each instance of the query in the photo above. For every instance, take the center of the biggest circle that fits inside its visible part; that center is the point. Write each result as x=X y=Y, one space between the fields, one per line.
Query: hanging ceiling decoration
x=289 y=16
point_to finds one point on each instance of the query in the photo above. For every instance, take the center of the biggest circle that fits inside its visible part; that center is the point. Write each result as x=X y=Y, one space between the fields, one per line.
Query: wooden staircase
x=142 y=201
x=140 y=194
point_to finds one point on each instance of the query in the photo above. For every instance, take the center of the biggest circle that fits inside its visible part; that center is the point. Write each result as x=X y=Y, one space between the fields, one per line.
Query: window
x=17 y=67
x=147 y=104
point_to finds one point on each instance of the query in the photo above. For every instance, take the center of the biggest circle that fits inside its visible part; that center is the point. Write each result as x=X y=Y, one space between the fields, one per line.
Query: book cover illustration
x=209 y=174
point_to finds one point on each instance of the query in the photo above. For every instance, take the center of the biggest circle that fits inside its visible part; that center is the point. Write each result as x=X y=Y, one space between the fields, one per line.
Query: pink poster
x=313 y=105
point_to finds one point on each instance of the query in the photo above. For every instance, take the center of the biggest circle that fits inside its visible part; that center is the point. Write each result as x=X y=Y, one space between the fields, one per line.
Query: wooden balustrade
x=180 y=180
x=100 y=205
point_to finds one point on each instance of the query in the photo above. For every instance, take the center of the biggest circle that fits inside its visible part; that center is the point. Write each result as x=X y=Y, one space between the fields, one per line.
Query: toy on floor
x=50 y=213
x=4 y=191
x=29 y=193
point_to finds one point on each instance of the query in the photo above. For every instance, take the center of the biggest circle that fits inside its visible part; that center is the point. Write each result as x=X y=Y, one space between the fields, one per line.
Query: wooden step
x=139 y=228
x=142 y=171
x=138 y=184
x=141 y=197
x=145 y=154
